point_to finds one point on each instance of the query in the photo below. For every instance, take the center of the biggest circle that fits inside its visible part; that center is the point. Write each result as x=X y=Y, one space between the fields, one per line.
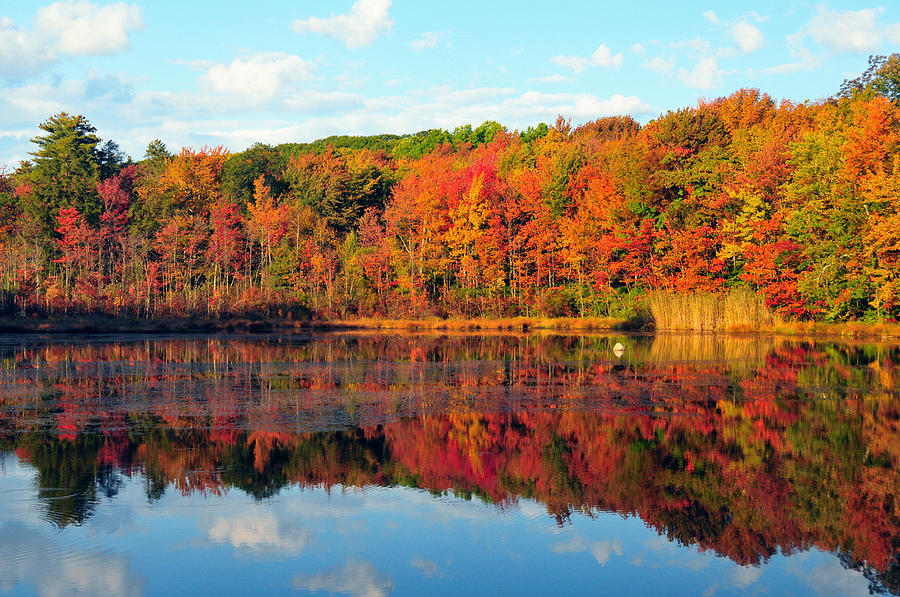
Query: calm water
x=400 y=464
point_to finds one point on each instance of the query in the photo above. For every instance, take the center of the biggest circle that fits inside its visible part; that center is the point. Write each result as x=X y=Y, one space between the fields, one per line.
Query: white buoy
x=619 y=349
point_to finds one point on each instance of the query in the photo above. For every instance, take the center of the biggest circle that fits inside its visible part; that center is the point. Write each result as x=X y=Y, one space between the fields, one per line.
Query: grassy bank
x=512 y=323
x=112 y=325
x=849 y=329
x=773 y=327
x=721 y=314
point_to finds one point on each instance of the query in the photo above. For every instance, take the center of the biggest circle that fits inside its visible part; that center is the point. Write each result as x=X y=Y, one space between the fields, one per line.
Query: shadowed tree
x=882 y=77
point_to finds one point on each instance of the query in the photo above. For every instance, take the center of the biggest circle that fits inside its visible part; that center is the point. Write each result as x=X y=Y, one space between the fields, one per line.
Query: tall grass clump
x=739 y=310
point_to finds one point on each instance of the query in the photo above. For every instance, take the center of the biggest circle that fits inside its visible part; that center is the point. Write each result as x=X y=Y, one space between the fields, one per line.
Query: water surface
x=402 y=464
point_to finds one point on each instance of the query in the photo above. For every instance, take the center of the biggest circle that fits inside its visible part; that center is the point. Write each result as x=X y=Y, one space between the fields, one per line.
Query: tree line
x=797 y=202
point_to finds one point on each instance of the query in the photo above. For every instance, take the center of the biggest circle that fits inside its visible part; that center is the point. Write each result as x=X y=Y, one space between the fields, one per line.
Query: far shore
x=120 y=325
x=188 y=325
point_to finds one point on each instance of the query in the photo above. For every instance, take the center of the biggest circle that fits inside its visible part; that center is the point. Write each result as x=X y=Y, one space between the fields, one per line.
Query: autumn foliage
x=797 y=202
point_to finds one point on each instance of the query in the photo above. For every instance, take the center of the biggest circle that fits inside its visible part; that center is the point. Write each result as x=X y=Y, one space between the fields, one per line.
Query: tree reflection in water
x=739 y=445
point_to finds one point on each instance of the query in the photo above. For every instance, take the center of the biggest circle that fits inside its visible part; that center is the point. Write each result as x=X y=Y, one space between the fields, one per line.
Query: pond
x=377 y=464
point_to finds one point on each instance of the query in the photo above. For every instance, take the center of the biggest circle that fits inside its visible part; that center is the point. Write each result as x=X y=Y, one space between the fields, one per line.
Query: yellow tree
x=191 y=178
x=268 y=222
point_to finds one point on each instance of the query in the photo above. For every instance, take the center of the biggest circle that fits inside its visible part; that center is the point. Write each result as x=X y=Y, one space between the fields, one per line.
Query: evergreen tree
x=66 y=170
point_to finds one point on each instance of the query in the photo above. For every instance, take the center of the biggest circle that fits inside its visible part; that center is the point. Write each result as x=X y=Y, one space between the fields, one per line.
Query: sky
x=202 y=72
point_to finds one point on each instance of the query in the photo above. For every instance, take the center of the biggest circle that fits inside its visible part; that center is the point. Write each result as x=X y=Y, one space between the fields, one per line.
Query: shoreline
x=119 y=325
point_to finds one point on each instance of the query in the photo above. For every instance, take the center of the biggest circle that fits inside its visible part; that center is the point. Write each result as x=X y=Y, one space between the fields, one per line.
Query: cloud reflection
x=29 y=556
x=355 y=578
x=601 y=550
x=830 y=578
x=428 y=568
x=261 y=534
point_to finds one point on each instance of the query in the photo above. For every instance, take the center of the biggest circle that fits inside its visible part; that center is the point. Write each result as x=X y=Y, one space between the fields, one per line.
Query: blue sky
x=199 y=72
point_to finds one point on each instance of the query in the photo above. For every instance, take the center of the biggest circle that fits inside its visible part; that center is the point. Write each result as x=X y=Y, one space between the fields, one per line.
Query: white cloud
x=660 y=64
x=803 y=60
x=259 y=77
x=838 y=32
x=637 y=48
x=365 y=22
x=747 y=37
x=22 y=53
x=576 y=63
x=696 y=44
x=892 y=32
x=16 y=134
x=704 y=75
x=588 y=106
x=427 y=40
x=460 y=97
x=32 y=102
x=602 y=56
x=533 y=106
x=221 y=117
x=440 y=107
x=445 y=108
x=65 y=28
x=315 y=102
x=86 y=29
x=789 y=68
x=349 y=81
x=198 y=65
x=353 y=578
x=846 y=31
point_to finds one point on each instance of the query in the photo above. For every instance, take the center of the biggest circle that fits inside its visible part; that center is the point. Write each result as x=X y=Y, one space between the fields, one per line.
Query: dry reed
x=739 y=310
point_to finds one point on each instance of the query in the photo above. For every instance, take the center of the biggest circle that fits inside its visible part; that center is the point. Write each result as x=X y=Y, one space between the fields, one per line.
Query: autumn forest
x=797 y=203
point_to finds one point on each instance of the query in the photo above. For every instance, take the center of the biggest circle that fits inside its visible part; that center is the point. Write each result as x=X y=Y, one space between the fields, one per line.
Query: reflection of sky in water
x=376 y=541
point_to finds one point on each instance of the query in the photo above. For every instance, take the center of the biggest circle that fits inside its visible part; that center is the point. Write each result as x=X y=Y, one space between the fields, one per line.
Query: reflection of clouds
x=427 y=567
x=820 y=571
x=263 y=534
x=27 y=555
x=40 y=560
x=678 y=556
x=533 y=509
x=830 y=577
x=744 y=576
x=401 y=500
x=601 y=550
x=113 y=518
x=16 y=489
x=353 y=578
